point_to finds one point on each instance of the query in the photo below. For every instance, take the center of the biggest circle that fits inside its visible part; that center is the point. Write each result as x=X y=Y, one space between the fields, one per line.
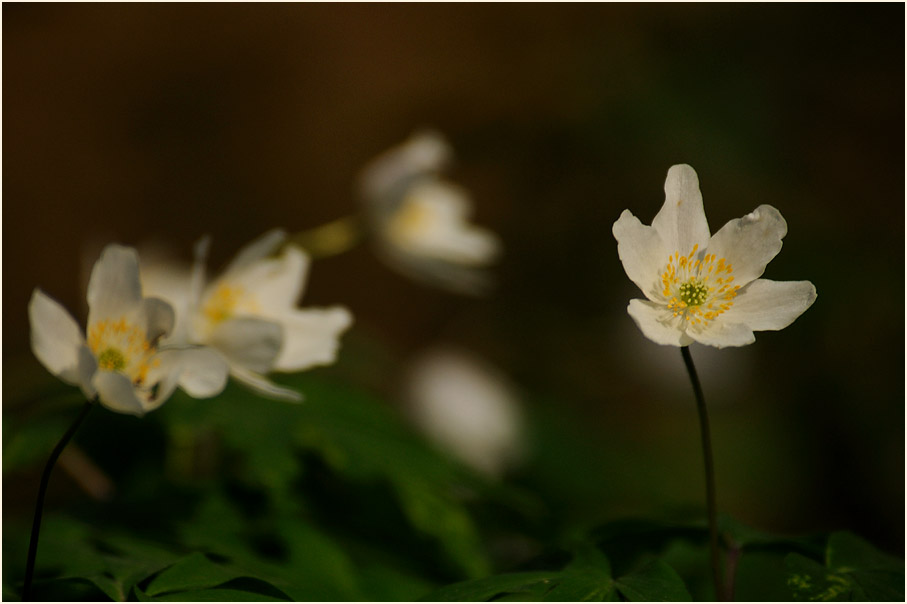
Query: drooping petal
x=722 y=334
x=658 y=323
x=248 y=342
x=117 y=393
x=275 y=283
x=642 y=253
x=256 y=250
x=55 y=337
x=311 y=337
x=681 y=221
x=766 y=305
x=114 y=288
x=263 y=385
x=159 y=318
x=201 y=372
x=749 y=243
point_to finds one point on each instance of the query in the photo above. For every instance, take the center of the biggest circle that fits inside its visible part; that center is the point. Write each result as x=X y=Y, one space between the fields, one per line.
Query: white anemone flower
x=120 y=361
x=703 y=288
x=420 y=221
x=468 y=408
x=248 y=313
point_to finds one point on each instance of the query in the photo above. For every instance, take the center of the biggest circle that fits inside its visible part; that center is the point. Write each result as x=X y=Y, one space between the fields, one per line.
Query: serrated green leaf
x=654 y=582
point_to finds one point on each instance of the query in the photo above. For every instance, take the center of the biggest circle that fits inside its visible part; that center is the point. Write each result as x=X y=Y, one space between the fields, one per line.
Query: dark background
x=136 y=122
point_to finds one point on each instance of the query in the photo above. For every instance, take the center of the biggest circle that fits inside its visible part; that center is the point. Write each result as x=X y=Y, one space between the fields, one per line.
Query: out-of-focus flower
x=419 y=220
x=706 y=288
x=468 y=409
x=120 y=361
x=248 y=313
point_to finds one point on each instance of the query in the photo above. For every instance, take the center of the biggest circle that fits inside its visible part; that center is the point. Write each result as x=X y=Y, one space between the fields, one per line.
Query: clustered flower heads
x=419 y=220
x=248 y=313
x=121 y=360
x=703 y=288
x=189 y=333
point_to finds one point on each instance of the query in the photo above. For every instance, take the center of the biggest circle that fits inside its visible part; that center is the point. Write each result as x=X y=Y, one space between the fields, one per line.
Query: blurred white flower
x=468 y=409
x=120 y=362
x=249 y=313
x=706 y=288
x=419 y=220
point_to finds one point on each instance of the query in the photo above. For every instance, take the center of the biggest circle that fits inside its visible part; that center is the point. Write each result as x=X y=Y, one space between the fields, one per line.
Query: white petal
x=274 y=283
x=88 y=365
x=55 y=337
x=263 y=385
x=159 y=318
x=172 y=282
x=117 y=393
x=722 y=334
x=424 y=153
x=114 y=288
x=749 y=243
x=248 y=342
x=258 y=249
x=432 y=221
x=658 y=323
x=681 y=221
x=201 y=372
x=771 y=305
x=642 y=253
x=457 y=278
x=311 y=337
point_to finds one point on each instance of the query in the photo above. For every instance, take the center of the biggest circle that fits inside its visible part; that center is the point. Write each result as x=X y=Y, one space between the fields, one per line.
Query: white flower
x=249 y=313
x=468 y=409
x=420 y=220
x=706 y=288
x=120 y=361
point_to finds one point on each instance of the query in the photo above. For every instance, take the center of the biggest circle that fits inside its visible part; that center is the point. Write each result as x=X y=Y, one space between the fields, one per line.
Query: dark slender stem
x=42 y=490
x=709 y=473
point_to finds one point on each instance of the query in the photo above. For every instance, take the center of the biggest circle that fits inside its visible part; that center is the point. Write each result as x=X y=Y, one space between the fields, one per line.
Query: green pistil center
x=112 y=360
x=694 y=293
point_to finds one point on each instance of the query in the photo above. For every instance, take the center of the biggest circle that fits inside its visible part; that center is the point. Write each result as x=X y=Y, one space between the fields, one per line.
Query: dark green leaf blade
x=654 y=582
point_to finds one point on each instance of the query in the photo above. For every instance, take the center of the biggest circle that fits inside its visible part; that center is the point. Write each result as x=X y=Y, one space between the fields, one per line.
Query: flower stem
x=333 y=238
x=709 y=473
x=42 y=490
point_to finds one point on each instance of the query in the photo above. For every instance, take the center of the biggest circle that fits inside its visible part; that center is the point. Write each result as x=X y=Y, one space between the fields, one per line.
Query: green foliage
x=587 y=578
x=336 y=499
x=853 y=570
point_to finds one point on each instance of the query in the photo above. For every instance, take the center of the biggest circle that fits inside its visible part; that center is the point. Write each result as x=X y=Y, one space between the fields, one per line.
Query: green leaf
x=854 y=570
x=846 y=551
x=192 y=572
x=810 y=581
x=586 y=579
x=654 y=582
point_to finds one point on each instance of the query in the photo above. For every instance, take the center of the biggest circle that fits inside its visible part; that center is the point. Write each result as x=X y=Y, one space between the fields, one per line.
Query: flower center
x=694 y=293
x=698 y=286
x=411 y=220
x=111 y=360
x=121 y=346
x=221 y=305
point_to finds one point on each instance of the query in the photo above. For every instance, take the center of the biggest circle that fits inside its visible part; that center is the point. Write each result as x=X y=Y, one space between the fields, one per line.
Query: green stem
x=709 y=473
x=42 y=491
x=333 y=238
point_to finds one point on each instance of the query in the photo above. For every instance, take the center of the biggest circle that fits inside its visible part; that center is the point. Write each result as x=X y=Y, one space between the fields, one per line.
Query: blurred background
x=133 y=123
